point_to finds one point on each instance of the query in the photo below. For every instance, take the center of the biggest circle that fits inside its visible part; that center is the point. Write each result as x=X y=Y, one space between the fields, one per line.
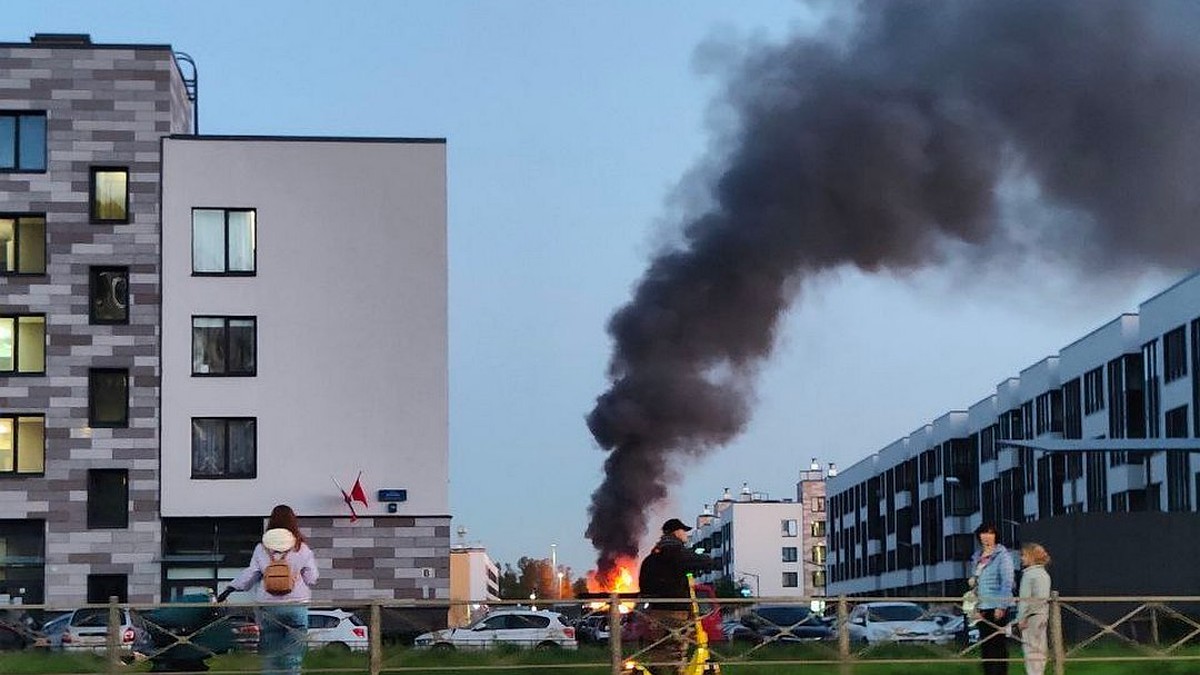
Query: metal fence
x=742 y=633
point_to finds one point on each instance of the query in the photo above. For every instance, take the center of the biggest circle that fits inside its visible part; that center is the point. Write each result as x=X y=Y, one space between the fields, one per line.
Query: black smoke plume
x=892 y=147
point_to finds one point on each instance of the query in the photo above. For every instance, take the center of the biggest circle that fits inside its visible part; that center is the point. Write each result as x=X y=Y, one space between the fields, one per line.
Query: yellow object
x=698 y=664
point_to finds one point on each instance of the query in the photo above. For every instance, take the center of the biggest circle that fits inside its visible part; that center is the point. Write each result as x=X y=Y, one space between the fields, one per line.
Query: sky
x=569 y=128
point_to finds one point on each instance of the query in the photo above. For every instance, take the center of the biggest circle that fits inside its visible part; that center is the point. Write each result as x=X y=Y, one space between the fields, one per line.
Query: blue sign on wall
x=393 y=495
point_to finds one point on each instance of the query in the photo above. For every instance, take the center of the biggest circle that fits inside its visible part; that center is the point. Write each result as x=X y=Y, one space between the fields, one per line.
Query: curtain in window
x=208 y=345
x=208 y=437
x=241 y=447
x=208 y=240
x=241 y=241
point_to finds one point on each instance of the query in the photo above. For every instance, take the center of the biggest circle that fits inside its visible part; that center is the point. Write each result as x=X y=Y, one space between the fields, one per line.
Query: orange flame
x=621 y=580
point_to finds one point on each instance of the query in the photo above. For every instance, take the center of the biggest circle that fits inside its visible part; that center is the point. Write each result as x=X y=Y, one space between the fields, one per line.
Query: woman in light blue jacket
x=992 y=579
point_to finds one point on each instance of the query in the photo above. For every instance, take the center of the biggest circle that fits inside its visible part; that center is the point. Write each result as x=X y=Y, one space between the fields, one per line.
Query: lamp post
x=554 y=569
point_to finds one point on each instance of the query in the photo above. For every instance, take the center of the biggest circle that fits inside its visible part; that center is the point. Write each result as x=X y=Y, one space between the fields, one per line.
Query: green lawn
x=594 y=661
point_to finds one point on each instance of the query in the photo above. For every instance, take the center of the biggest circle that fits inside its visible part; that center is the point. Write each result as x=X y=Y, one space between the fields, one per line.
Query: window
x=108 y=397
x=108 y=499
x=791 y=579
x=110 y=295
x=23 y=244
x=790 y=554
x=788 y=528
x=1174 y=355
x=818 y=579
x=818 y=554
x=22 y=344
x=22 y=444
x=224 y=447
x=22 y=141
x=223 y=345
x=818 y=529
x=110 y=195
x=223 y=241
x=100 y=589
x=818 y=504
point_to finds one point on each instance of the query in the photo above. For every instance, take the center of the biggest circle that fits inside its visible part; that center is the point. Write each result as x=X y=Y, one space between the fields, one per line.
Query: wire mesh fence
x=841 y=635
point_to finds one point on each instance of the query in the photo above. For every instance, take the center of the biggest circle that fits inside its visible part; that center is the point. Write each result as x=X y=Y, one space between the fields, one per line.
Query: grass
x=591 y=660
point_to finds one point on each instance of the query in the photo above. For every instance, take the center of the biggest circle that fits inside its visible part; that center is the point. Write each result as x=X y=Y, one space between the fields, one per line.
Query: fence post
x=113 y=636
x=614 y=635
x=1056 y=634
x=376 y=639
x=843 y=623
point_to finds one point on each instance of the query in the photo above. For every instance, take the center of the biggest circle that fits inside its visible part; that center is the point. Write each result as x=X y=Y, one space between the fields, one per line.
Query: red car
x=635 y=626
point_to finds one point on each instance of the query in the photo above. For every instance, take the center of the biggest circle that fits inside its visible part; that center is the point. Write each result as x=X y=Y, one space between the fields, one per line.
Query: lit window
x=110 y=195
x=22 y=444
x=22 y=244
x=22 y=345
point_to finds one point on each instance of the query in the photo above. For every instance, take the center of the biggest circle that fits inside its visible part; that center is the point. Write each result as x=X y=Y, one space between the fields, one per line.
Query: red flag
x=357 y=493
x=346 y=498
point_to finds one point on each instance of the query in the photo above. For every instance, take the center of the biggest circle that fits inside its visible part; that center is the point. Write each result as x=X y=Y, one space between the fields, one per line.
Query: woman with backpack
x=284 y=568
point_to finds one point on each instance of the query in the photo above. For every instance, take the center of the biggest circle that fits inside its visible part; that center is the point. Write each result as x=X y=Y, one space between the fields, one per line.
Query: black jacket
x=663 y=573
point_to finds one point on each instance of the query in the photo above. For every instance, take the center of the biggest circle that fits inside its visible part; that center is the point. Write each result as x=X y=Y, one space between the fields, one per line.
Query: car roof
x=891 y=604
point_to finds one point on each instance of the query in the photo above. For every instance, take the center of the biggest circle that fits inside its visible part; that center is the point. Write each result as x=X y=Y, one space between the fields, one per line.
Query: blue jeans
x=282 y=638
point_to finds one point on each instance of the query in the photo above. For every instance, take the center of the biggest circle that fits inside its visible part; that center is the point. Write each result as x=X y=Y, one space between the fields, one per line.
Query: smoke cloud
x=889 y=148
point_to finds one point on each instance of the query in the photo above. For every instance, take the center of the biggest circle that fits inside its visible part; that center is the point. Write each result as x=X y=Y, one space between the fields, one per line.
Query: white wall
x=350 y=297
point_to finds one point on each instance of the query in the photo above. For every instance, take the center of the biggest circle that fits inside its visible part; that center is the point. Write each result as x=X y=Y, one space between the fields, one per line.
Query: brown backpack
x=277 y=577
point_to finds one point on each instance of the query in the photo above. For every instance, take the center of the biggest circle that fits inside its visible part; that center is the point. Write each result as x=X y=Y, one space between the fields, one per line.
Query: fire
x=621 y=580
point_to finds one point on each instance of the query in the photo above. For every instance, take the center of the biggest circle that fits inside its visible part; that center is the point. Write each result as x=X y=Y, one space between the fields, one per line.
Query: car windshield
x=896 y=613
x=784 y=616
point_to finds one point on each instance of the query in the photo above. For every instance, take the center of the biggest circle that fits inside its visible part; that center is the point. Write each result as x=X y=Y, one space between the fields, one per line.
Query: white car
x=87 y=629
x=874 y=622
x=337 y=629
x=519 y=627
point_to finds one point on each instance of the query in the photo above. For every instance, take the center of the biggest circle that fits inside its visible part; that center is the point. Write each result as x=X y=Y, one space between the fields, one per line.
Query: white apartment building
x=773 y=548
x=196 y=328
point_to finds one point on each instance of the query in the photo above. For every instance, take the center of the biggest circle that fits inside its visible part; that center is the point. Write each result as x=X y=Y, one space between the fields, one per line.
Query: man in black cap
x=663 y=574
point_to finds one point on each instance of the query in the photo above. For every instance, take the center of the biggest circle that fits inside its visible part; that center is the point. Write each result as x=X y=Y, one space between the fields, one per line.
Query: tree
x=534 y=575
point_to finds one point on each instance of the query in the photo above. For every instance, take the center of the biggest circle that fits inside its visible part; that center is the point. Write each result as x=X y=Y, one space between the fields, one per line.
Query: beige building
x=474 y=583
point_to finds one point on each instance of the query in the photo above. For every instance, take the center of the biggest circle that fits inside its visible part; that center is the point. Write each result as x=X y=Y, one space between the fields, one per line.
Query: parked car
x=786 y=623
x=337 y=629
x=874 y=622
x=593 y=628
x=520 y=627
x=245 y=629
x=87 y=629
x=735 y=631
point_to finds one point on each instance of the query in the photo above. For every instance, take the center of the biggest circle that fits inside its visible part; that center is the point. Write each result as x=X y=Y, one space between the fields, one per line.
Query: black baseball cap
x=675 y=524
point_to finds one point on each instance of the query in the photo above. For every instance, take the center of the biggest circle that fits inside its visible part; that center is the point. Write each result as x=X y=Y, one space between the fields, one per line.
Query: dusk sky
x=570 y=129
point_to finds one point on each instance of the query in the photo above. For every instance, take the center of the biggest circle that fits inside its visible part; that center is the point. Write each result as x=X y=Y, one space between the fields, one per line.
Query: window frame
x=16 y=115
x=789 y=527
x=93 y=211
x=100 y=521
x=93 y=272
x=252 y=372
x=16 y=435
x=791 y=580
x=16 y=371
x=93 y=422
x=225 y=474
x=789 y=554
x=226 y=272
x=17 y=218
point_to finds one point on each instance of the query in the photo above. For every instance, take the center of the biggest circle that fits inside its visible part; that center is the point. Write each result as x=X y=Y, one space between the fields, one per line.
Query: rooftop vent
x=832 y=470
x=61 y=39
x=815 y=465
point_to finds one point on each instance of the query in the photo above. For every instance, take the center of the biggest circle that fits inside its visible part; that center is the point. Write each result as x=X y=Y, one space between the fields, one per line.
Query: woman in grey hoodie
x=1033 y=607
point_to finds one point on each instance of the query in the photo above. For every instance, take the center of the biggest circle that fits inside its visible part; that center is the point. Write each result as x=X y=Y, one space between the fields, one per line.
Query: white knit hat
x=279 y=539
